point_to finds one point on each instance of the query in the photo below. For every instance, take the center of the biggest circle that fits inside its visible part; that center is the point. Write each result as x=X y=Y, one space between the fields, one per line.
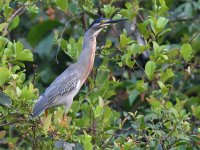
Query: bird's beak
x=114 y=21
x=107 y=22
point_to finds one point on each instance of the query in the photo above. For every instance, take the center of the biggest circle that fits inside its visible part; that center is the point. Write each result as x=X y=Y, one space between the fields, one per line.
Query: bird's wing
x=62 y=86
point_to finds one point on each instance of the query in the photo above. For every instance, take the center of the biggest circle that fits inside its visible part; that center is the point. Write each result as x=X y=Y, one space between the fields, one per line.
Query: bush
x=143 y=92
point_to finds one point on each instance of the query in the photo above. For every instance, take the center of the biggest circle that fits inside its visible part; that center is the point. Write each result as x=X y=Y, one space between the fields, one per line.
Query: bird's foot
x=64 y=118
x=65 y=121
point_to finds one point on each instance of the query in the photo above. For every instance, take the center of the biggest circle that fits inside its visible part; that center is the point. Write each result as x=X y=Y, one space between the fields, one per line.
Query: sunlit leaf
x=25 y=55
x=162 y=22
x=4 y=75
x=2 y=134
x=47 y=122
x=186 y=51
x=87 y=141
x=2 y=26
x=141 y=86
x=14 y=23
x=154 y=103
x=166 y=75
x=196 y=111
x=62 y=4
x=150 y=69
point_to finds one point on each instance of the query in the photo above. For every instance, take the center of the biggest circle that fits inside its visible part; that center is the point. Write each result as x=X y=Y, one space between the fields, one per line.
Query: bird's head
x=100 y=23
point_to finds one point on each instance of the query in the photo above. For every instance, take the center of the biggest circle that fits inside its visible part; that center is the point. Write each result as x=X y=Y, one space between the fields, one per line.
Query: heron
x=65 y=87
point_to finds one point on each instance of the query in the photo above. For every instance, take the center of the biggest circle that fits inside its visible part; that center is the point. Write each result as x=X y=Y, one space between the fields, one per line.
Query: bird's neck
x=86 y=59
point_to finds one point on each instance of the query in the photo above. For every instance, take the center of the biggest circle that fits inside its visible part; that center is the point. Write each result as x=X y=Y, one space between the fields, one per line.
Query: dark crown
x=97 y=21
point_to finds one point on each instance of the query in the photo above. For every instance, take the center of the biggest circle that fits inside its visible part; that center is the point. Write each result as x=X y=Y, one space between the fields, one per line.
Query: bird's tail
x=39 y=107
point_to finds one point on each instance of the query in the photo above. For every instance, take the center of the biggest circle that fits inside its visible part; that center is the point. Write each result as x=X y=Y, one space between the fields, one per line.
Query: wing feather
x=62 y=86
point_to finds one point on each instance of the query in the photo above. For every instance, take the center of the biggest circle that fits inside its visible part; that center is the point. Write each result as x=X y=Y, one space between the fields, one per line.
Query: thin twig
x=103 y=132
x=13 y=16
x=105 y=144
x=62 y=36
x=194 y=37
x=173 y=130
x=139 y=65
x=184 y=19
x=113 y=135
x=116 y=33
x=84 y=22
x=34 y=73
x=34 y=137
x=13 y=122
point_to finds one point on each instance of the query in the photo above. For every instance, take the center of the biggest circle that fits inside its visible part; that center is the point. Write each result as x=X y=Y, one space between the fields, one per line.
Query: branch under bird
x=63 y=89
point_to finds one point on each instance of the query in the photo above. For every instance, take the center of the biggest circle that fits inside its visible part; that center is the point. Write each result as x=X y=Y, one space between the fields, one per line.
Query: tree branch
x=20 y=9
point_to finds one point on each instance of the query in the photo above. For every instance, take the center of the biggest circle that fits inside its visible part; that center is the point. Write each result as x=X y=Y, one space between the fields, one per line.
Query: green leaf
x=22 y=54
x=87 y=142
x=163 y=87
x=181 y=142
x=7 y=11
x=102 y=76
x=164 y=31
x=158 y=25
x=196 y=138
x=63 y=44
x=128 y=12
x=135 y=49
x=156 y=49
x=196 y=111
x=2 y=134
x=162 y=22
x=127 y=59
x=188 y=10
x=166 y=75
x=25 y=55
x=27 y=93
x=2 y=26
x=98 y=111
x=87 y=5
x=3 y=42
x=74 y=48
x=4 y=75
x=141 y=86
x=150 y=69
x=47 y=122
x=32 y=9
x=143 y=28
x=163 y=8
x=132 y=96
x=19 y=63
x=169 y=105
x=124 y=40
x=5 y=100
x=141 y=121
x=117 y=16
x=108 y=10
x=14 y=23
x=154 y=103
x=62 y=4
x=186 y=51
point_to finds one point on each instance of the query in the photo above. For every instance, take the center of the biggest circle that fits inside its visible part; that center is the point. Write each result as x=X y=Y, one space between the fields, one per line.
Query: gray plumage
x=57 y=90
x=63 y=89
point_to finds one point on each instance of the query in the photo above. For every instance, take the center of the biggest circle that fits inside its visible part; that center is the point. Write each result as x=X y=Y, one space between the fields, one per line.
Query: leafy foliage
x=130 y=101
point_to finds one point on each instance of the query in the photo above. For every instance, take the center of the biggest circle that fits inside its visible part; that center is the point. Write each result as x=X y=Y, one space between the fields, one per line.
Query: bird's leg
x=65 y=113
